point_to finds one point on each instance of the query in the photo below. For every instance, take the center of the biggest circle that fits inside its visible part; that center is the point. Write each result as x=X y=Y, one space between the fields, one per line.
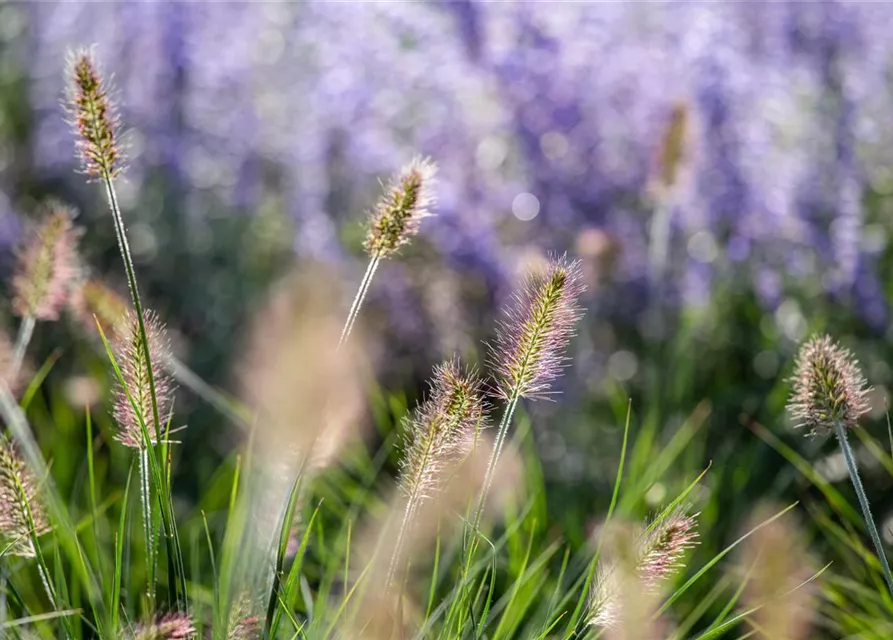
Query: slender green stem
x=659 y=241
x=148 y=525
x=405 y=524
x=278 y=545
x=174 y=552
x=18 y=426
x=359 y=298
x=42 y=568
x=26 y=332
x=124 y=247
x=840 y=430
x=501 y=434
x=471 y=539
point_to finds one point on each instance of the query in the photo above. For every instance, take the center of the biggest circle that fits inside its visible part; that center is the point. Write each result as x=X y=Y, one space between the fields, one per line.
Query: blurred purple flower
x=567 y=103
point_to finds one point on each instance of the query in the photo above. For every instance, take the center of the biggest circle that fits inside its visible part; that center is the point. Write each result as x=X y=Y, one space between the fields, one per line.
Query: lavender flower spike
x=130 y=356
x=47 y=266
x=406 y=200
x=21 y=512
x=94 y=117
x=529 y=350
x=827 y=387
x=175 y=626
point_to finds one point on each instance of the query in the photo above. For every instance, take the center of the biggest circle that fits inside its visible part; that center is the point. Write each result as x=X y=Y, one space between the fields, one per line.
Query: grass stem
x=850 y=460
x=359 y=298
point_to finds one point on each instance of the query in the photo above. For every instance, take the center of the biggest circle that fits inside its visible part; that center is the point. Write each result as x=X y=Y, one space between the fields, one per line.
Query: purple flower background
x=788 y=106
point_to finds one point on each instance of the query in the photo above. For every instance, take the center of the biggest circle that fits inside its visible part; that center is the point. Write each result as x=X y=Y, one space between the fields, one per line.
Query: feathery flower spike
x=130 y=356
x=442 y=429
x=47 y=265
x=829 y=396
x=440 y=433
x=661 y=549
x=658 y=555
x=529 y=350
x=406 y=200
x=20 y=507
x=8 y=376
x=94 y=117
x=394 y=220
x=828 y=387
x=243 y=625
x=93 y=301
x=175 y=626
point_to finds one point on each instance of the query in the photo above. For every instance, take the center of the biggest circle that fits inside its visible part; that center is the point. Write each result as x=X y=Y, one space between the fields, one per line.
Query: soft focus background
x=258 y=132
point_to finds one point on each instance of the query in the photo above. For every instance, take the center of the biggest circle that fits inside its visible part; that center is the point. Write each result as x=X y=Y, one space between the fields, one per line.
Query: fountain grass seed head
x=47 y=265
x=779 y=565
x=243 y=624
x=174 y=626
x=662 y=548
x=529 y=350
x=655 y=555
x=94 y=117
x=442 y=430
x=405 y=201
x=131 y=359
x=93 y=301
x=10 y=376
x=828 y=387
x=21 y=511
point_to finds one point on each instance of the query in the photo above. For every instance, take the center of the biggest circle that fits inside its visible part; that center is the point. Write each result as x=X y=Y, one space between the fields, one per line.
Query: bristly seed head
x=442 y=430
x=662 y=548
x=94 y=117
x=828 y=387
x=533 y=336
x=131 y=359
x=93 y=302
x=20 y=508
x=47 y=265
x=657 y=552
x=406 y=200
x=12 y=379
x=242 y=624
x=174 y=626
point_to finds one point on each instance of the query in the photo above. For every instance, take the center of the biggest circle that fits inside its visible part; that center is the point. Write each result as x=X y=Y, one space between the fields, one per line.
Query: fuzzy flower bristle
x=94 y=117
x=47 y=265
x=131 y=359
x=661 y=549
x=406 y=200
x=93 y=302
x=175 y=626
x=537 y=327
x=8 y=375
x=242 y=624
x=441 y=430
x=828 y=387
x=656 y=555
x=20 y=508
